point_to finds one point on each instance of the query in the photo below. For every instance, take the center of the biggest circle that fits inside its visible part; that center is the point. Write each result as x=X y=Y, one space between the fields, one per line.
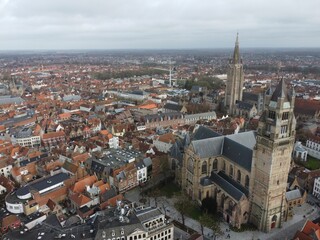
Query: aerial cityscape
x=159 y=120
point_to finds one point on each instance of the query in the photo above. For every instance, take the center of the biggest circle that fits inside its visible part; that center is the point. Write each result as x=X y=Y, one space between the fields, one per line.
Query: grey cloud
x=65 y=24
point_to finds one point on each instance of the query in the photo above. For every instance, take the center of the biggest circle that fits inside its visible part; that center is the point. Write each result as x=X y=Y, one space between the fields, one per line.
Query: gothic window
x=274 y=218
x=247 y=181
x=231 y=171
x=215 y=165
x=284 y=129
x=222 y=201
x=268 y=128
x=230 y=205
x=204 y=167
x=272 y=115
x=285 y=116
x=224 y=166
x=190 y=165
x=239 y=176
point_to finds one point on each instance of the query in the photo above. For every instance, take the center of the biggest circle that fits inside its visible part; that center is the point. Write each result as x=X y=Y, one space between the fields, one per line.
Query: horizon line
x=150 y=49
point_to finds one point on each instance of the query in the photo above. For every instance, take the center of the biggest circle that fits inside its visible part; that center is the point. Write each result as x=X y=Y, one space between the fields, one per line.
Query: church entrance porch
x=273 y=221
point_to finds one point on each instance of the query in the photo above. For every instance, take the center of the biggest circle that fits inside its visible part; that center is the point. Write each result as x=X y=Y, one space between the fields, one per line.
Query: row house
x=53 y=139
x=194 y=118
x=125 y=178
x=88 y=193
x=25 y=170
x=5 y=167
x=163 y=119
x=106 y=137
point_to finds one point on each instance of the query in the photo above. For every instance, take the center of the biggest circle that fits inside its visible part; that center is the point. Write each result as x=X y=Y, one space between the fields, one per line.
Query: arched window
x=204 y=167
x=247 y=181
x=239 y=176
x=222 y=201
x=231 y=171
x=230 y=205
x=224 y=166
x=215 y=165
x=274 y=218
x=190 y=165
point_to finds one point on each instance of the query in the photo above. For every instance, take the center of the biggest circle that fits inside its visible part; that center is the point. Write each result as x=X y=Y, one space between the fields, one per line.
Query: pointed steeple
x=280 y=92
x=236 y=52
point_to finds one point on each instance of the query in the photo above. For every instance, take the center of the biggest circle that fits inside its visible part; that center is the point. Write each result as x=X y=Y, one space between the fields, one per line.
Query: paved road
x=286 y=232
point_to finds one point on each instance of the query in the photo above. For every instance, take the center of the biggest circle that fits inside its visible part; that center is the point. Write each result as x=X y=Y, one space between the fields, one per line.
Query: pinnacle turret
x=236 y=53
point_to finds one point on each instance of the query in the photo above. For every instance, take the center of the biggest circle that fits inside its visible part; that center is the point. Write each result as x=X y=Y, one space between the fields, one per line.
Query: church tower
x=235 y=79
x=272 y=159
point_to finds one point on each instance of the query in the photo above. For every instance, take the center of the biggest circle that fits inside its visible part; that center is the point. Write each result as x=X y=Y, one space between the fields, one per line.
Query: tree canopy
x=204 y=81
x=128 y=73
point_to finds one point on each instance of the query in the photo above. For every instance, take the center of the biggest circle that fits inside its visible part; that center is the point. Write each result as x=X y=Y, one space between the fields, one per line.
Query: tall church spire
x=235 y=80
x=236 y=53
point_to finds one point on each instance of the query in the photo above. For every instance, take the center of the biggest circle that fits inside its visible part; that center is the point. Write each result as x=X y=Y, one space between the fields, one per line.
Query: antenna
x=170 y=69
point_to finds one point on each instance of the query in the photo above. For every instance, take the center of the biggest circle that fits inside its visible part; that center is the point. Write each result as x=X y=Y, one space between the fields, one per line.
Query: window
x=224 y=166
x=190 y=165
x=247 y=181
x=285 y=116
x=272 y=115
x=204 y=168
x=239 y=176
x=284 y=129
x=215 y=165
x=231 y=171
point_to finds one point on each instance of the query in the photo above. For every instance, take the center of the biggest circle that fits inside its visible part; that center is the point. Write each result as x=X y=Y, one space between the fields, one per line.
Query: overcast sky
x=148 y=24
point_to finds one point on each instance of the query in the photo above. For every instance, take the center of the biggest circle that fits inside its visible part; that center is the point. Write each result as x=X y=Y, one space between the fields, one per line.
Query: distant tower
x=235 y=79
x=272 y=159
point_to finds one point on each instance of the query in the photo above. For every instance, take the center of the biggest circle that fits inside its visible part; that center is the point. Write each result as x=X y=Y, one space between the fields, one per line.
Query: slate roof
x=33 y=159
x=293 y=194
x=173 y=107
x=237 y=153
x=248 y=96
x=11 y=100
x=280 y=92
x=43 y=183
x=69 y=98
x=108 y=194
x=147 y=214
x=109 y=222
x=163 y=115
x=244 y=105
x=24 y=133
x=228 y=186
x=176 y=151
x=204 y=133
x=247 y=139
x=208 y=147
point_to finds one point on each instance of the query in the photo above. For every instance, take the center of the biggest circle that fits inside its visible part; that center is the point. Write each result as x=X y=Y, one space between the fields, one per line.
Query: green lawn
x=311 y=163
x=169 y=190
x=194 y=212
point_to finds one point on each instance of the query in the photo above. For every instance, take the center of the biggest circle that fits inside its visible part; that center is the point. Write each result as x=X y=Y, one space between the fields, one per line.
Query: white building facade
x=299 y=152
x=316 y=188
x=313 y=148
